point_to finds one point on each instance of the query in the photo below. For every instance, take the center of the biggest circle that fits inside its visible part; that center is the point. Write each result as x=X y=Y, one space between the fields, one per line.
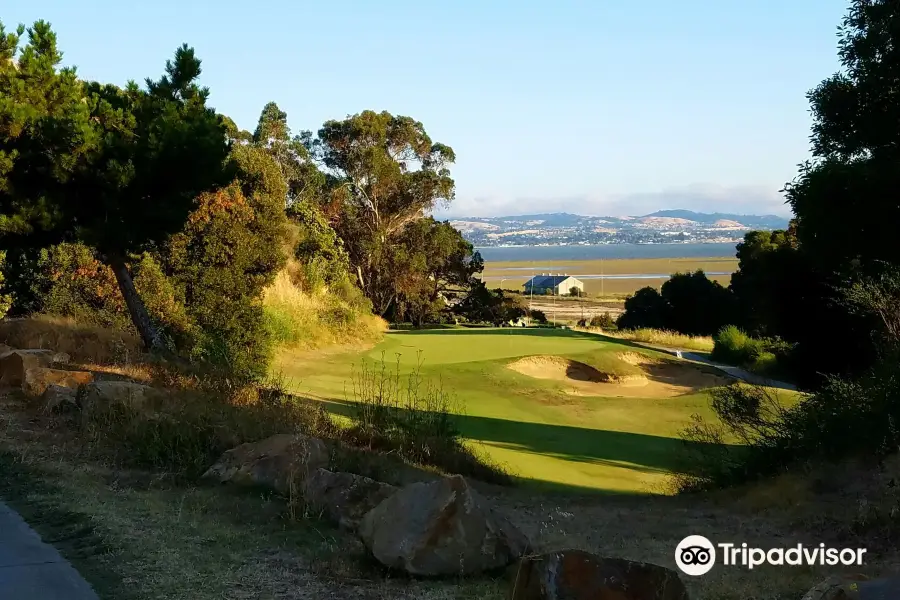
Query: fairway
x=611 y=424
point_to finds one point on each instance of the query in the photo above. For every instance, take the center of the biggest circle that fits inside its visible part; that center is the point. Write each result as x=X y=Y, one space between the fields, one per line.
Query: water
x=604 y=251
x=616 y=276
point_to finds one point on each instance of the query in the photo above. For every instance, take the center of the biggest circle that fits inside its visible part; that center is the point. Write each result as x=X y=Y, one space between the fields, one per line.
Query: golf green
x=545 y=421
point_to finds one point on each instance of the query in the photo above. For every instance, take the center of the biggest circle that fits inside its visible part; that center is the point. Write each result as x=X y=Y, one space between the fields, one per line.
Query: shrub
x=734 y=347
x=414 y=419
x=538 y=316
x=188 y=435
x=844 y=419
x=604 y=321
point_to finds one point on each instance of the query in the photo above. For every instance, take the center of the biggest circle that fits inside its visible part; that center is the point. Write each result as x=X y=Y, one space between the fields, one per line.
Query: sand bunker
x=657 y=378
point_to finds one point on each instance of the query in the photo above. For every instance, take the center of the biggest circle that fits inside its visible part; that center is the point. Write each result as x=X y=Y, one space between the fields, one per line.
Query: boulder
x=14 y=363
x=58 y=398
x=855 y=587
x=579 y=575
x=280 y=462
x=102 y=394
x=39 y=378
x=442 y=527
x=344 y=497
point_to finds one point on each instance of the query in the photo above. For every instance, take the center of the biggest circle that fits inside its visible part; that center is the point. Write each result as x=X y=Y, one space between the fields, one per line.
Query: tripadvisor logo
x=696 y=555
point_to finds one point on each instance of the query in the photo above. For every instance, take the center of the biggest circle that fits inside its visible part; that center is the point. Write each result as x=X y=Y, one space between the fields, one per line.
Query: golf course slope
x=560 y=409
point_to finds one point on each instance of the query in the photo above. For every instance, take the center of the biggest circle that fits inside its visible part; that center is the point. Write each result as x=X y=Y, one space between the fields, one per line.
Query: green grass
x=532 y=426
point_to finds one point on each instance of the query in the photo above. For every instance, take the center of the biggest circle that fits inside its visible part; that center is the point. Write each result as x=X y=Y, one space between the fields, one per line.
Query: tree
x=430 y=263
x=574 y=291
x=384 y=172
x=482 y=305
x=844 y=197
x=645 y=308
x=230 y=249
x=304 y=180
x=117 y=169
x=697 y=305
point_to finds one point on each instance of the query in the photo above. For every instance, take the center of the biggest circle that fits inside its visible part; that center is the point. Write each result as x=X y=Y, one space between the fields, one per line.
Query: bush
x=187 y=436
x=734 y=347
x=604 y=321
x=844 y=419
x=538 y=316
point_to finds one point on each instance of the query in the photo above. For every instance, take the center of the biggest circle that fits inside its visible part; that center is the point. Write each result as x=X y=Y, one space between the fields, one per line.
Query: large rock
x=855 y=587
x=344 y=497
x=579 y=575
x=15 y=363
x=58 y=398
x=281 y=462
x=39 y=378
x=442 y=527
x=103 y=394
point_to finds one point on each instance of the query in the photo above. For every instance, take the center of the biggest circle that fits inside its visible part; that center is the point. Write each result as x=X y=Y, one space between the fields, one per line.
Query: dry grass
x=671 y=339
x=137 y=536
x=300 y=320
x=83 y=343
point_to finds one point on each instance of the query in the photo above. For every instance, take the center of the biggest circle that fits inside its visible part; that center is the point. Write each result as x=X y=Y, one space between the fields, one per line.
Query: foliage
x=538 y=316
x=698 y=305
x=603 y=321
x=645 y=309
x=117 y=169
x=661 y=337
x=385 y=172
x=244 y=222
x=734 y=347
x=430 y=263
x=575 y=291
x=844 y=193
x=482 y=305
x=298 y=319
x=303 y=179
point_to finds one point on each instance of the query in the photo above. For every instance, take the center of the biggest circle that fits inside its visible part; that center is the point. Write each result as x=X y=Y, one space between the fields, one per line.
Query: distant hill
x=664 y=226
x=752 y=221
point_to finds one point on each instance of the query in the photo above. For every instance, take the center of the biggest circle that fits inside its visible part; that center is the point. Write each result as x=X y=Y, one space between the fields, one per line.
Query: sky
x=596 y=107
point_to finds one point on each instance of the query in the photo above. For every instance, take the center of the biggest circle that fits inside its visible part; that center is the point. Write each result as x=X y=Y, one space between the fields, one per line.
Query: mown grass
x=534 y=428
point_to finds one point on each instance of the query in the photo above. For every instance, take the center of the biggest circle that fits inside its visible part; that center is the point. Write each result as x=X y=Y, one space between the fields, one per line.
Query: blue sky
x=595 y=107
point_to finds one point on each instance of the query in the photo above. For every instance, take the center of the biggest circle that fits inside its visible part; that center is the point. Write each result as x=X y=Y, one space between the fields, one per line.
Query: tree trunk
x=139 y=315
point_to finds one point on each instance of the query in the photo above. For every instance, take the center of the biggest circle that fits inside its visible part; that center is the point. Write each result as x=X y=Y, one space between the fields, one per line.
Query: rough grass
x=83 y=343
x=135 y=535
x=299 y=320
x=664 y=338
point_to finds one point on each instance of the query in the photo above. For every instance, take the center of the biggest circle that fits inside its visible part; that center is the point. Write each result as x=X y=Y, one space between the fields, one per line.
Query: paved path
x=735 y=372
x=33 y=570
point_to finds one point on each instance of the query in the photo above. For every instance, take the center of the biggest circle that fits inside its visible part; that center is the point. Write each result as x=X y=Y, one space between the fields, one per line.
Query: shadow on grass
x=642 y=453
x=523 y=331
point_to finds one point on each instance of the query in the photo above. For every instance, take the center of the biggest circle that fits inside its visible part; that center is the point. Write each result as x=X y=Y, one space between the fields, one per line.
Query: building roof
x=547 y=280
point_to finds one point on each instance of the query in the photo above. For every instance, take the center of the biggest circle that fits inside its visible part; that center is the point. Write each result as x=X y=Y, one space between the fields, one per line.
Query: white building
x=560 y=285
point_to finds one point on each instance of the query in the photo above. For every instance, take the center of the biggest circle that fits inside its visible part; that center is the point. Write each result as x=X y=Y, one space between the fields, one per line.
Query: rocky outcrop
x=281 y=462
x=38 y=379
x=344 y=497
x=440 y=528
x=103 y=394
x=15 y=363
x=58 y=398
x=579 y=575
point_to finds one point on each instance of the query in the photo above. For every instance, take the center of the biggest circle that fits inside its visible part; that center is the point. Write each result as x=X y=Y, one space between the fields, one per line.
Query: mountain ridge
x=663 y=226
